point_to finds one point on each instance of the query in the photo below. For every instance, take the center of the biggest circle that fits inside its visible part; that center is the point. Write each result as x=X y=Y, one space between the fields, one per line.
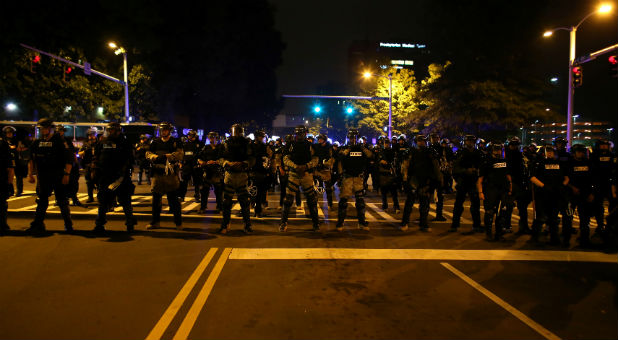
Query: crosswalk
x=142 y=206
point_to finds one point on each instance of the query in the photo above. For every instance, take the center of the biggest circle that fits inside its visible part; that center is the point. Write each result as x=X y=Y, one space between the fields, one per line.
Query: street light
x=605 y=8
x=11 y=107
x=368 y=75
x=117 y=51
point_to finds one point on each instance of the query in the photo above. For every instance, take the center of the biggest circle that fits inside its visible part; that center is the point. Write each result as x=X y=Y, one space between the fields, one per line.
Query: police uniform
x=385 y=160
x=496 y=187
x=209 y=157
x=21 y=164
x=190 y=169
x=421 y=172
x=582 y=182
x=565 y=158
x=50 y=157
x=236 y=160
x=163 y=169
x=300 y=161
x=324 y=152
x=550 y=198
x=465 y=171
x=260 y=170
x=7 y=164
x=140 y=155
x=443 y=163
x=604 y=163
x=518 y=164
x=112 y=162
x=353 y=161
x=87 y=155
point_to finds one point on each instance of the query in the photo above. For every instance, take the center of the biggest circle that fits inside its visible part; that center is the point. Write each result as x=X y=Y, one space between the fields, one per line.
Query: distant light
x=317 y=109
x=67 y=109
x=130 y=118
x=306 y=122
x=100 y=110
x=112 y=45
x=547 y=109
x=349 y=110
x=251 y=136
x=554 y=79
x=367 y=74
x=11 y=107
x=329 y=140
x=548 y=33
x=385 y=128
x=613 y=60
x=605 y=8
x=227 y=135
x=575 y=116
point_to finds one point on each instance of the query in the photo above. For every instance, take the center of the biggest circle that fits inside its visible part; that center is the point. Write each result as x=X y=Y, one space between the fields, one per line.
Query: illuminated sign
x=398 y=45
x=402 y=62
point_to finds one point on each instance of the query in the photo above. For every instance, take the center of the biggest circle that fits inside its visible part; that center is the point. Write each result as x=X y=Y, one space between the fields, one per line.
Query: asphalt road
x=380 y=284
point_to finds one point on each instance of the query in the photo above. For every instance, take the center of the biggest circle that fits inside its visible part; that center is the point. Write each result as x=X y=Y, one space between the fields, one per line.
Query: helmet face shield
x=237 y=131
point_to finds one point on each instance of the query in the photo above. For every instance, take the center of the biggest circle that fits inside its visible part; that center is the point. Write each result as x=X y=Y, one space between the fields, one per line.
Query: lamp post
x=117 y=51
x=368 y=75
x=606 y=8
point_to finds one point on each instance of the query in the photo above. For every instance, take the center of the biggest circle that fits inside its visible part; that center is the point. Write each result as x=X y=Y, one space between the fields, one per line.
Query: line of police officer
x=554 y=180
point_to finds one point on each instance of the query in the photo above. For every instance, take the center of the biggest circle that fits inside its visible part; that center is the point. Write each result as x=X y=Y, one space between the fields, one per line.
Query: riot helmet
x=237 y=130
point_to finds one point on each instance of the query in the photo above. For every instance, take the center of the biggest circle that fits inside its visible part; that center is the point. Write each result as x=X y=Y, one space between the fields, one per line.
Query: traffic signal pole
x=570 y=97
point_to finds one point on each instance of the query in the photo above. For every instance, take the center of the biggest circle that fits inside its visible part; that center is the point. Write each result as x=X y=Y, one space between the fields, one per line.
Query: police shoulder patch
x=356 y=154
x=580 y=168
x=552 y=166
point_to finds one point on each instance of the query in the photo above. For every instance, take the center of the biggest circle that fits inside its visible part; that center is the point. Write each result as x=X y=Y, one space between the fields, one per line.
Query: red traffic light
x=68 y=70
x=577 y=70
x=613 y=60
x=36 y=59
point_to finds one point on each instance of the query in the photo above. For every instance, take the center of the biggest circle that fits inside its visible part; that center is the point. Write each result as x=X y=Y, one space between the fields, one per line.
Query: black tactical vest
x=236 y=149
x=300 y=152
x=353 y=162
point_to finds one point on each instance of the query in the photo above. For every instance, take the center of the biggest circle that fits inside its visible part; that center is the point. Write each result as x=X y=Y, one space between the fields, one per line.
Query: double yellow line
x=187 y=324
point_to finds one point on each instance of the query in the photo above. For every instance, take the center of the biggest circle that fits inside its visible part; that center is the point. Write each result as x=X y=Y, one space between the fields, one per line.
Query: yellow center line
x=198 y=304
x=521 y=316
x=170 y=313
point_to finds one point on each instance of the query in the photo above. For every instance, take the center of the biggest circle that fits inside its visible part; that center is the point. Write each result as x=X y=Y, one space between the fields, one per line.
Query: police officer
x=208 y=160
x=549 y=179
x=518 y=165
x=495 y=188
x=444 y=165
x=52 y=162
x=385 y=160
x=140 y=155
x=582 y=183
x=73 y=186
x=112 y=162
x=604 y=163
x=465 y=170
x=189 y=166
x=259 y=172
x=7 y=165
x=353 y=161
x=286 y=173
x=421 y=172
x=237 y=159
x=9 y=139
x=324 y=171
x=165 y=153
x=401 y=153
x=565 y=158
x=300 y=161
x=86 y=154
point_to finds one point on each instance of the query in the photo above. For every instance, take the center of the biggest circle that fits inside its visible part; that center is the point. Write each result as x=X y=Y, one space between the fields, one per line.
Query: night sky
x=318 y=33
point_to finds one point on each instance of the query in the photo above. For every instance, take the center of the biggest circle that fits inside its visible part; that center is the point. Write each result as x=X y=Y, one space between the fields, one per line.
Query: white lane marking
x=461 y=219
x=200 y=300
x=368 y=217
x=516 y=313
x=381 y=212
x=417 y=254
x=25 y=194
x=190 y=207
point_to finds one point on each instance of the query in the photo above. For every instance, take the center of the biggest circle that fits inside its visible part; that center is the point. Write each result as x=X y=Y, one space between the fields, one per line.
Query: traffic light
x=613 y=66
x=67 y=73
x=34 y=62
x=349 y=110
x=577 y=76
x=317 y=109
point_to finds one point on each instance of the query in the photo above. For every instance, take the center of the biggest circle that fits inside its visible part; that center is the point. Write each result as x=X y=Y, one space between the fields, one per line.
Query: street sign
x=87 y=68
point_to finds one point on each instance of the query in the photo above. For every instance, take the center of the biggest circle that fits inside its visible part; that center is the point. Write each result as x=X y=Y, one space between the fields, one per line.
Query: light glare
x=548 y=33
x=605 y=8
